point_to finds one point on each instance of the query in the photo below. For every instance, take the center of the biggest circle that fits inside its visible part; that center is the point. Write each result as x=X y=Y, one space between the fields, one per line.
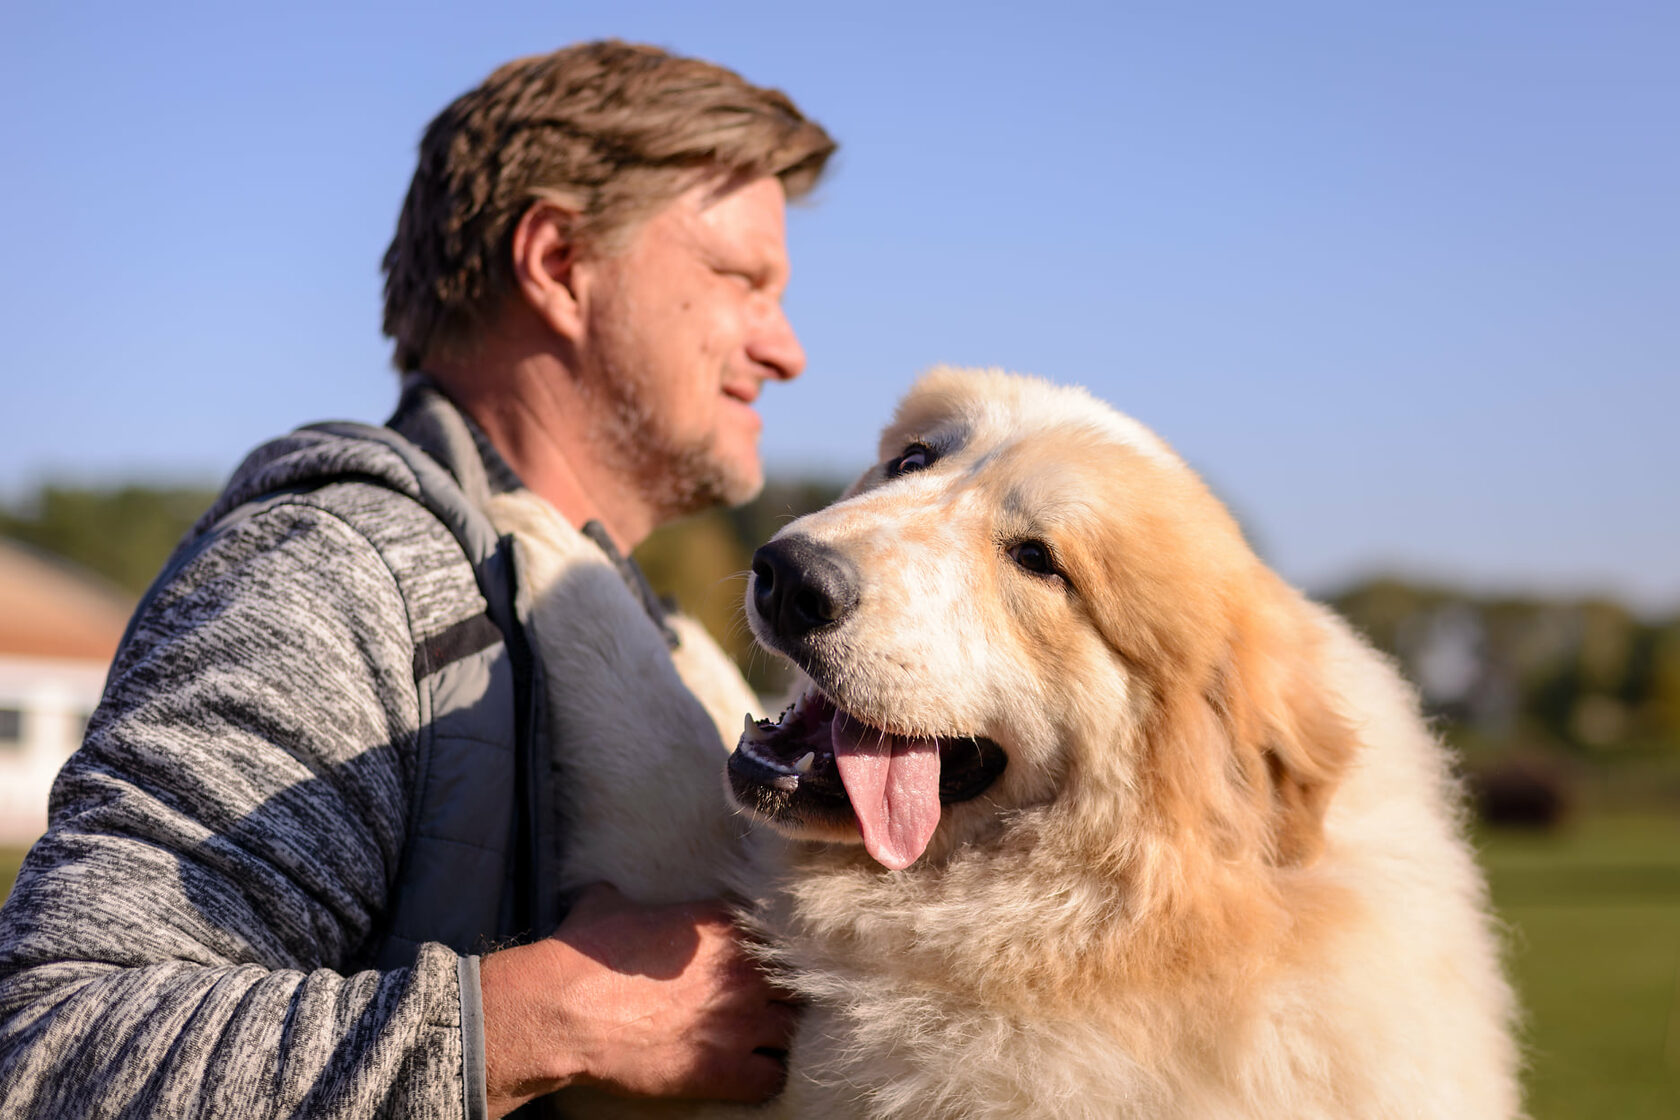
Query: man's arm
x=219 y=853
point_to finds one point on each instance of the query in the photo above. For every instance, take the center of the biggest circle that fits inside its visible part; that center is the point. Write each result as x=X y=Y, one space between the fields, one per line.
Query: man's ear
x=544 y=264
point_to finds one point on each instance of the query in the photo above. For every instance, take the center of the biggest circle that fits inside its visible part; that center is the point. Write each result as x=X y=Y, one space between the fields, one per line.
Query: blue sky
x=1402 y=280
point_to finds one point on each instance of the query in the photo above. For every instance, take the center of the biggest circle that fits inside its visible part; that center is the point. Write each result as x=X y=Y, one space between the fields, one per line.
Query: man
x=271 y=864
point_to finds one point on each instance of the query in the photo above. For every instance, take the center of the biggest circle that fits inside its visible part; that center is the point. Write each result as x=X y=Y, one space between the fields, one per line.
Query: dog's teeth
x=803 y=766
x=752 y=732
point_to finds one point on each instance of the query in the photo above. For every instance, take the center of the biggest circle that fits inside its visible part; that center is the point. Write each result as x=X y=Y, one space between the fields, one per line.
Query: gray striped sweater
x=192 y=936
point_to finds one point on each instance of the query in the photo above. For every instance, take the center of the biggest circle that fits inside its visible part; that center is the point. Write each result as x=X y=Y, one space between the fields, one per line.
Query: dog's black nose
x=800 y=586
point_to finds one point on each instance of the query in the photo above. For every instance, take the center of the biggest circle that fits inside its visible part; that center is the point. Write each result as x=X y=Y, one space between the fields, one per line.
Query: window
x=11 y=729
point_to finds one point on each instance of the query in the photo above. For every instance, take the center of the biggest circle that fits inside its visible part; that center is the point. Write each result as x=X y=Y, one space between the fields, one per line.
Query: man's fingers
x=768 y=1072
x=759 y=1077
x=780 y=1019
x=739 y=1075
x=687 y=1008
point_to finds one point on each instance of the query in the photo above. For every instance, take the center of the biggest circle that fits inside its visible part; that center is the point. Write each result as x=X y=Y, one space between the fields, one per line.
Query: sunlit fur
x=1223 y=874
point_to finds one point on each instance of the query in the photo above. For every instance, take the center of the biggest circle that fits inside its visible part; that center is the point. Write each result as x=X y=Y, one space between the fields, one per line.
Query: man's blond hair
x=610 y=131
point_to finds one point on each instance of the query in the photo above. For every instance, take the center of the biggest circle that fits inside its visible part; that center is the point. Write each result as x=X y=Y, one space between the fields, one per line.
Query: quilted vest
x=478 y=842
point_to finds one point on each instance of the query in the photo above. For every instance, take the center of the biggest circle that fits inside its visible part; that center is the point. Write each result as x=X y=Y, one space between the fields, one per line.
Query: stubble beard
x=676 y=476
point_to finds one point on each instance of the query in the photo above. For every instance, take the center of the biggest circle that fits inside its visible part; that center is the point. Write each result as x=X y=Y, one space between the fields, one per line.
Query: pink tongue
x=893 y=784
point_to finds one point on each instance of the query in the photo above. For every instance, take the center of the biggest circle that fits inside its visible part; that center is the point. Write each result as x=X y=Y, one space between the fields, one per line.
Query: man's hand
x=645 y=1001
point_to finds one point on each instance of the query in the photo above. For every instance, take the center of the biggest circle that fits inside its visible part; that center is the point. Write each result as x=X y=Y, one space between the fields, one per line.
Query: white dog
x=1087 y=814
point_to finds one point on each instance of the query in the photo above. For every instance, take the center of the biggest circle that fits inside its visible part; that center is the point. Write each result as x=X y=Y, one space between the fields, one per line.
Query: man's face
x=683 y=326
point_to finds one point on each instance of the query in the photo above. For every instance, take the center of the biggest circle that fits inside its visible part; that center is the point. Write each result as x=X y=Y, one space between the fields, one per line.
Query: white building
x=59 y=628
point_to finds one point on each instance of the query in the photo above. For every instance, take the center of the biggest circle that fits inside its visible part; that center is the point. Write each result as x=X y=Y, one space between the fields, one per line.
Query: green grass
x=1593 y=914
x=1594 y=919
x=10 y=860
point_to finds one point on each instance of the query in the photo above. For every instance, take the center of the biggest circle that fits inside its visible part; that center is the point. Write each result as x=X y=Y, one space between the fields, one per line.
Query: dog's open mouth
x=818 y=765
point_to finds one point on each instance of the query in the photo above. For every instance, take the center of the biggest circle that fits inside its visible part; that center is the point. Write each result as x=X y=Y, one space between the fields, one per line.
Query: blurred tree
x=1660 y=672
x=700 y=565
x=124 y=534
x=1504 y=673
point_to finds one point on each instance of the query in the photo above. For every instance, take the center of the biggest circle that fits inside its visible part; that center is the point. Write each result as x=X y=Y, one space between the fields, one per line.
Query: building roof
x=50 y=608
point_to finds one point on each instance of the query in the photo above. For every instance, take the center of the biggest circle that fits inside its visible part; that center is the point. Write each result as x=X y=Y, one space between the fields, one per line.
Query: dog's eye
x=1034 y=556
x=915 y=457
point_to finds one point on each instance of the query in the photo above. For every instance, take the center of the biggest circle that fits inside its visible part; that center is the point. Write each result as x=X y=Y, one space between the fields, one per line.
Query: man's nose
x=775 y=347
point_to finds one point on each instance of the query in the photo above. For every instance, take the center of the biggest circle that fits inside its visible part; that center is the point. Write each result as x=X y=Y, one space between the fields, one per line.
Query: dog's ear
x=1273 y=697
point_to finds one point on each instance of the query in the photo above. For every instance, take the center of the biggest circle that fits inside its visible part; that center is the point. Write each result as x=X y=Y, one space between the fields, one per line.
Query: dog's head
x=1030 y=605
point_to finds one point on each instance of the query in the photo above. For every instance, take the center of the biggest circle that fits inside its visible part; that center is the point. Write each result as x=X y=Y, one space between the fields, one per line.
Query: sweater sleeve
x=184 y=939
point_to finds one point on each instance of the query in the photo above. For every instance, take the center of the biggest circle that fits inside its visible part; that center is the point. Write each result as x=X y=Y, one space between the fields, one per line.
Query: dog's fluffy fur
x=1223 y=873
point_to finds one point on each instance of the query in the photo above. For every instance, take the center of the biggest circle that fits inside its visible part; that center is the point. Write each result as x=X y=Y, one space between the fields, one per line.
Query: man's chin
x=743 y=487
x=735 y=491
x=737 y=471
x=701 y=479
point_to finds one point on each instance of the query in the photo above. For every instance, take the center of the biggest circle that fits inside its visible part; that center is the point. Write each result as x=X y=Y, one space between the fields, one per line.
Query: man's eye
x=1034 y=556
x=915 y=457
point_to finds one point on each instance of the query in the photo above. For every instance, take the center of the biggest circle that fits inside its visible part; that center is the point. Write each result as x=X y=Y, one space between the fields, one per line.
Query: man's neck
x=530 y=408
